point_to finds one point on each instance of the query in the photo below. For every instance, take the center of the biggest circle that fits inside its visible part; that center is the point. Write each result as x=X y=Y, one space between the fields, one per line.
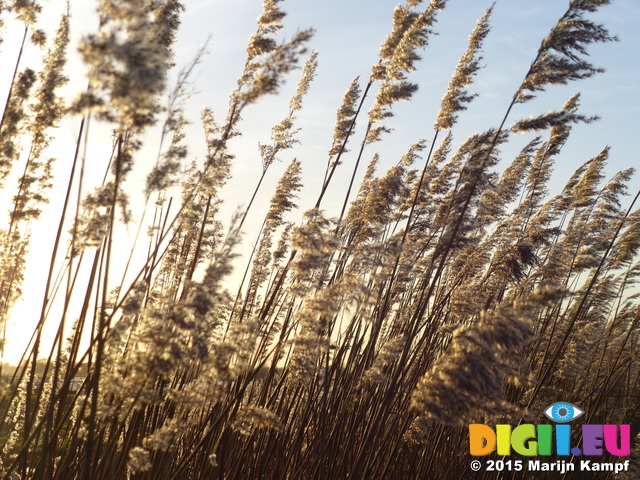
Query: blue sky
x=348 y=35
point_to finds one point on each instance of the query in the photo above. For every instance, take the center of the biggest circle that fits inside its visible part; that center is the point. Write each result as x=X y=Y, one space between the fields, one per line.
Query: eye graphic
x=562 y=412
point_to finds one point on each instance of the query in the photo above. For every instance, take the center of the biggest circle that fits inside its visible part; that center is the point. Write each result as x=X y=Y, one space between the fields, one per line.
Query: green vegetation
x=453 y=288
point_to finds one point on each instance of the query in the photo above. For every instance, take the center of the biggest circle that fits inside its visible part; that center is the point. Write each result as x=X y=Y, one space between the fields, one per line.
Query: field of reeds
x=453 y=287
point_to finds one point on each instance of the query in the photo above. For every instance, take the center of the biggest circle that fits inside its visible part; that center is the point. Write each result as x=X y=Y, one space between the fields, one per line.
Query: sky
x=347 y=36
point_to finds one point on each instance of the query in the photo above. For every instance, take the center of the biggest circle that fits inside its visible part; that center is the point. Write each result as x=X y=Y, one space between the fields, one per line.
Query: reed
x=358 y=343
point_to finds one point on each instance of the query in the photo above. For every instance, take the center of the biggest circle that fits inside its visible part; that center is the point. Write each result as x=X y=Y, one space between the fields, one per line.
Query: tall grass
x=453 y=288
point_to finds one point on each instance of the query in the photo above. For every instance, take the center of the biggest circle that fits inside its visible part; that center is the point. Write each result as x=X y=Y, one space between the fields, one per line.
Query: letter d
x=482 y=439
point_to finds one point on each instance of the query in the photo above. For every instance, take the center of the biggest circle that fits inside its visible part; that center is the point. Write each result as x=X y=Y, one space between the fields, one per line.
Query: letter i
x=545 y=433
x=563 y=439
x=503 y=432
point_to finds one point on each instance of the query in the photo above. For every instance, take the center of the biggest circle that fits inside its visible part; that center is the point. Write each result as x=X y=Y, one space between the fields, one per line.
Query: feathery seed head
x=457 y=97
x=398 y=56
x=250 y=418
x=345 y=119
x=27 y=10
x=308 y=74
x=128 y=59
x=139 y=460
x=559 y=58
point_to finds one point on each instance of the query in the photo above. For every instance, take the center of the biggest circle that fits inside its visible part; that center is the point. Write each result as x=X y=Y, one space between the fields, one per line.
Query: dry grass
x=453 y=289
